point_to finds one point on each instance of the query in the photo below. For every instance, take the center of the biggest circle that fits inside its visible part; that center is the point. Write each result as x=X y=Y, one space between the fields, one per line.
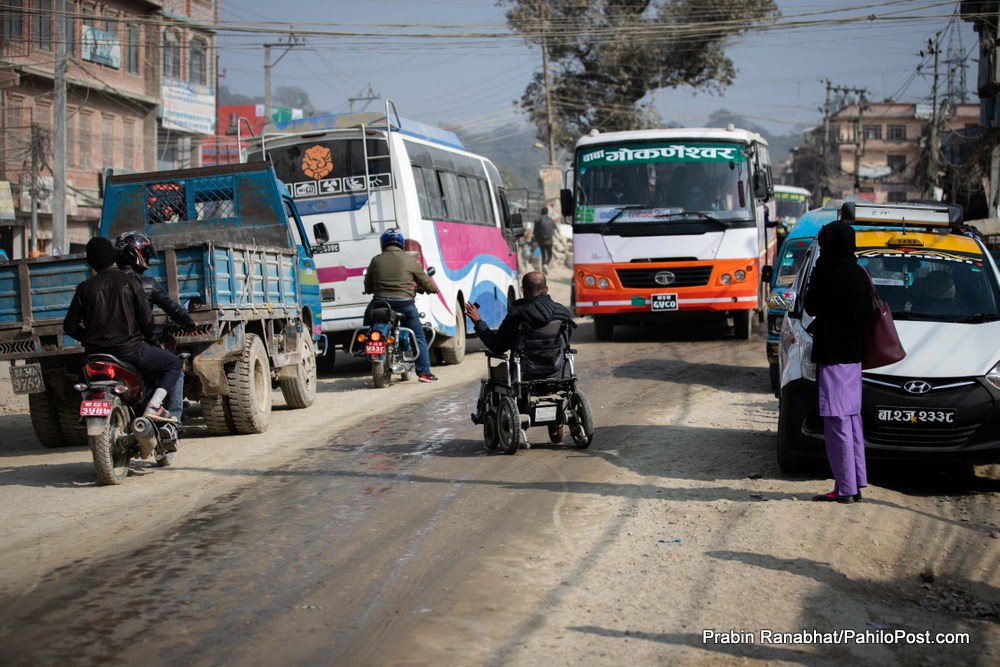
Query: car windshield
x=933 y=285
x=791 y=261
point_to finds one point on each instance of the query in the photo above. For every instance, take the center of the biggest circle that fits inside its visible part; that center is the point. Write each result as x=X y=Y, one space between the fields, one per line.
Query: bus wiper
x=699 y=214
x=626 y=207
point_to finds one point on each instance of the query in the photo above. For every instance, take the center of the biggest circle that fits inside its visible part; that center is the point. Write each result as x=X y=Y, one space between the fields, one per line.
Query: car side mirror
x=782 y=300
x=320 y=233
x=194 y=303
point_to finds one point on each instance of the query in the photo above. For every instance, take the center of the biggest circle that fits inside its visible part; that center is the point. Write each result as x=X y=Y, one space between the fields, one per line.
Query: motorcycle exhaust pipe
x=145 y=435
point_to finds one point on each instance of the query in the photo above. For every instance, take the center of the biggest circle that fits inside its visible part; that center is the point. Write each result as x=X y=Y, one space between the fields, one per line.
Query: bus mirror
x=431 y=271
x=566 y=203
x=741 y=193
x=516 y=225
x=320 y=233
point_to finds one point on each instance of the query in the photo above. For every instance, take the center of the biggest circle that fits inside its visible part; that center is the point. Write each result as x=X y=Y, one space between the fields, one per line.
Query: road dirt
x=373 y=528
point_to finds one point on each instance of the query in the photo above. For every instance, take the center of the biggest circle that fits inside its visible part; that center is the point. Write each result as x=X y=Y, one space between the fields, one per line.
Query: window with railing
x=107 y=141
x=132 y=49
x=896 y=132
x=43 y=25
x=171 y=54
x=872 y=132
x=85 y=136
x=197 y=61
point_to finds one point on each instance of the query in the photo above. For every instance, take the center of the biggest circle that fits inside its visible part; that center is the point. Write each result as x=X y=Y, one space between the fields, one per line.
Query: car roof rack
x=908 y=214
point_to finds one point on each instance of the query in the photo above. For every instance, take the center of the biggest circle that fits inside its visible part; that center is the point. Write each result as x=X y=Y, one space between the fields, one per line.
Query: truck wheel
x=45 y=421
x=742 y=324
x=218 y=416
x=453 y=351
x=300 y=390
x=604 y=327
x=74 y=430
x=110 y=460
x=250 y=387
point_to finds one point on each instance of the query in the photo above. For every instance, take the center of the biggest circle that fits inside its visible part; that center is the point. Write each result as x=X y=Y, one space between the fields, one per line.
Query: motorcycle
x=391 y=348
x=113 y=398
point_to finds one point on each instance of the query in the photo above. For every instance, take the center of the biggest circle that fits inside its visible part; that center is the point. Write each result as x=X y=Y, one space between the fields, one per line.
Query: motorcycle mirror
x=431 y=271
x=194 y=303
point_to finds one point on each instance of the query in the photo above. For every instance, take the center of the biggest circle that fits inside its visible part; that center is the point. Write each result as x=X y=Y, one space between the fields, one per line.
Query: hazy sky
x=455 y=61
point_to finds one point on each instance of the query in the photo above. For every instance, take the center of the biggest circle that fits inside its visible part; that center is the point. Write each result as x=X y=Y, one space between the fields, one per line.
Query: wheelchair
x=533 y=385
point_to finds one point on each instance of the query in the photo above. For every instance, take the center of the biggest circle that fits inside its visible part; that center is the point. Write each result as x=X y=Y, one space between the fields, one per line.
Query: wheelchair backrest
x=542 y=350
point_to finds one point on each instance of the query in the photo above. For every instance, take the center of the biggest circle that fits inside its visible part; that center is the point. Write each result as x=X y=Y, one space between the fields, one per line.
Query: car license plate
x=27 y=379
x=376 y=347
x=663 y=301
x=894 y=415
x=92 y=408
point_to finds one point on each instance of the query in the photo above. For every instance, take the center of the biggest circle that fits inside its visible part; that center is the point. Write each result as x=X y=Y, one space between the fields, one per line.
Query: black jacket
x=839 y=296
x=159 y=297
x=110 y=313
x=536 y=312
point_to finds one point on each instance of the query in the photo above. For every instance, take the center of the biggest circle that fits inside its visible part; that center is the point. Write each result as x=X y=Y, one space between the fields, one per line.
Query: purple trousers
x=840 y=407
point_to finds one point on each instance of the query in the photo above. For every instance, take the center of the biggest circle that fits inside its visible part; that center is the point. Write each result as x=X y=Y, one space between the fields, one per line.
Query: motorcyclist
x=133 y=254
x=110 y=314
x=392 y=276
x=536 y=309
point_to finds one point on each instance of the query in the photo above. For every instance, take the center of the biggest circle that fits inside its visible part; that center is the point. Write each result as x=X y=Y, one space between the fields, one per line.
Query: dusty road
x=349 y=536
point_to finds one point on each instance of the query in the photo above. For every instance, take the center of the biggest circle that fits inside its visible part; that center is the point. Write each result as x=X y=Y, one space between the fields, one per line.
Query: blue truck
x=230 y=243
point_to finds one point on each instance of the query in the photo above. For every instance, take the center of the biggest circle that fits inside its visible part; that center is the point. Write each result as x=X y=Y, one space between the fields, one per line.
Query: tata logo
x=917 y=387
x=664 y=278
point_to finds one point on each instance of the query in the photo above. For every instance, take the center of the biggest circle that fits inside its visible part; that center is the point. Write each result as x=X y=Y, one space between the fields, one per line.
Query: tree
x=606 y=56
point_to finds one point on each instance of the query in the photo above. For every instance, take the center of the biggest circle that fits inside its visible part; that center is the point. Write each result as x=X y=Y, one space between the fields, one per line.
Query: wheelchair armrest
x=490 y=355
x=571 y=350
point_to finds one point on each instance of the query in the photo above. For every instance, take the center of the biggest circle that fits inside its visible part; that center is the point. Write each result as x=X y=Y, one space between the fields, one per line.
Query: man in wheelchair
x=535 y=385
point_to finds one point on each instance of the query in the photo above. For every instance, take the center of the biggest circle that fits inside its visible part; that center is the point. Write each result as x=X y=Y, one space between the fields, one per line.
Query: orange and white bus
x=669 y=225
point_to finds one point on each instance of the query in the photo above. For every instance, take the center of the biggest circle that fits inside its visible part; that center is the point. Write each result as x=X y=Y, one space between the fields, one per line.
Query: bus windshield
x=329 y=167
x=661 y=182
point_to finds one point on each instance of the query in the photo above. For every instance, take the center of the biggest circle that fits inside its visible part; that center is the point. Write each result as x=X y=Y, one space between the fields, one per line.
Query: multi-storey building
x=139 y=95
x=875 y=151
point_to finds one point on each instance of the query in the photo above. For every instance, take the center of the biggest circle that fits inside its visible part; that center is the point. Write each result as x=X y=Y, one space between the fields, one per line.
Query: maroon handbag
x=882 y=345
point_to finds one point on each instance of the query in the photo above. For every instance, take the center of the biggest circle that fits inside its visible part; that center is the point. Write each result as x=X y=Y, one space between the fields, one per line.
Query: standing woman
x=839 y=298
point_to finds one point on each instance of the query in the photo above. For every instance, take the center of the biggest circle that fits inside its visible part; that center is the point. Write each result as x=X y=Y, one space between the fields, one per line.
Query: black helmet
x=392 y=237
x=135 y=250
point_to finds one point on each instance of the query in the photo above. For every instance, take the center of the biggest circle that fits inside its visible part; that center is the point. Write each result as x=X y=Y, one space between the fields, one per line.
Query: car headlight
x=590 y=281
x=603 y=283
x=993 y=377
x=805 y=344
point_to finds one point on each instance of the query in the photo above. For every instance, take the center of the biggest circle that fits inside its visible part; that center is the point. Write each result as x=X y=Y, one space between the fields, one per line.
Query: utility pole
x=59 y=136
x=858 y=126
x=33 y=189
x=369 y=95
x=548 y=92
x=934 y=147
x=823 y=185
x=293 y=41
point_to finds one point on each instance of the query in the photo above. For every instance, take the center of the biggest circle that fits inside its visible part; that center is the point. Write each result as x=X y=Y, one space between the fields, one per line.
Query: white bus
x=353 y=176
x=670 y=224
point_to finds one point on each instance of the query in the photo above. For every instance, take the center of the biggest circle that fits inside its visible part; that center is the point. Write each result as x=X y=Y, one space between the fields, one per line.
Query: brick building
x=123 y=111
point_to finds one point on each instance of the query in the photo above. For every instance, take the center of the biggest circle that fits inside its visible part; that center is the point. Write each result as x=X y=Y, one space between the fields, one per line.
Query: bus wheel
x=604 y=327
x=742 y=324
x=453 y=351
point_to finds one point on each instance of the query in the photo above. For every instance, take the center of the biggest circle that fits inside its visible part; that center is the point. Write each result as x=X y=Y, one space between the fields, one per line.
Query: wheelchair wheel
x=508 y=426
x=556 y=433
x=490 y=431
x=582 y=427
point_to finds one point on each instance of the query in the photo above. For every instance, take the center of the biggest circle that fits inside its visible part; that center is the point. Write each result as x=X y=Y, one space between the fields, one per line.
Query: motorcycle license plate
x=375 y=347
x=93 y=408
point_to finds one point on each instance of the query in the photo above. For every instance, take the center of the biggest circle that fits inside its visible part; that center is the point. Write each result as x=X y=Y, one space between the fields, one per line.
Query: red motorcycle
x=114 y=396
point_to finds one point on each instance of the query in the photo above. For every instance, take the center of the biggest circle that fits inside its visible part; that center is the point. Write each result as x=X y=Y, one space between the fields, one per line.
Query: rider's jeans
x=411 y=320
x=175 y=399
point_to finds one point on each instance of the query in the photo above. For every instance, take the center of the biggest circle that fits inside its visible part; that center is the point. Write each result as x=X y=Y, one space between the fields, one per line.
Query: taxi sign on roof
x=919 y=215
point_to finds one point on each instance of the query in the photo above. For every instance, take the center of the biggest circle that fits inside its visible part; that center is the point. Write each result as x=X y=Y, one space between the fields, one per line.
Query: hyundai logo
x=917 y=387
x=664 y=278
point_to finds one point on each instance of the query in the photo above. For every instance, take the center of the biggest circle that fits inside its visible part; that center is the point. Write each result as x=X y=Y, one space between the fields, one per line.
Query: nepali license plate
x=663 y=301
x=375 y=347
x=95 y=408
x=893 y=415
x=27 y=379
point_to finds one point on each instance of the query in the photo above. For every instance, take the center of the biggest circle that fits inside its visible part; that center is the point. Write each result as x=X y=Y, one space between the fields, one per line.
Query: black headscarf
x=837 y=241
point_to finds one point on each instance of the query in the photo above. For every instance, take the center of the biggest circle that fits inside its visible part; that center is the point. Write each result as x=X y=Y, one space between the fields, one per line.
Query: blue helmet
x=392 y=237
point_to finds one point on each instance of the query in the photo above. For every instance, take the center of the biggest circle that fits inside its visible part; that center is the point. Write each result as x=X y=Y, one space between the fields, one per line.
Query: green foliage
x=606 y=56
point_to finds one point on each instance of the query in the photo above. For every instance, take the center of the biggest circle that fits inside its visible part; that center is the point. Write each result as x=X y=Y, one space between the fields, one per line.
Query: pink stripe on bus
x=338 y=274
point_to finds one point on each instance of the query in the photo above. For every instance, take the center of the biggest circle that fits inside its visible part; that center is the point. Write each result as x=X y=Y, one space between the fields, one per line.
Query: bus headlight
x=590 y=281
x=740 y=275
x=603 y=283
x=725 y=279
